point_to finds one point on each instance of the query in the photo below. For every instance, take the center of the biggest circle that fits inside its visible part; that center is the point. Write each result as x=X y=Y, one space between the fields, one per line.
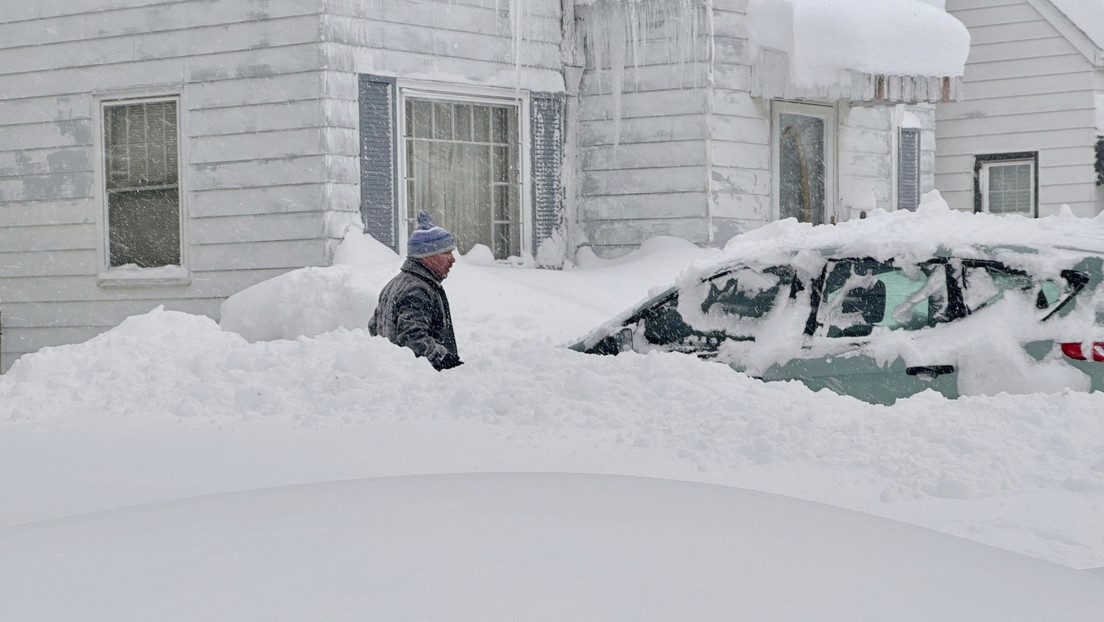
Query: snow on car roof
x=932 y=230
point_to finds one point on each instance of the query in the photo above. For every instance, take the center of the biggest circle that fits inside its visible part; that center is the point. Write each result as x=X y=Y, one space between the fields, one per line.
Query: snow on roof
x=826 y=38
x=1087 y=15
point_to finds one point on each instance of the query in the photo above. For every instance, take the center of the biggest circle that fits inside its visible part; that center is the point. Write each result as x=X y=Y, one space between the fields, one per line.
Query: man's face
x=439 y=264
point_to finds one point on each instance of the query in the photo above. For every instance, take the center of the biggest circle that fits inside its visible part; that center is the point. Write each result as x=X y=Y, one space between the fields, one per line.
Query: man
x=413 y=310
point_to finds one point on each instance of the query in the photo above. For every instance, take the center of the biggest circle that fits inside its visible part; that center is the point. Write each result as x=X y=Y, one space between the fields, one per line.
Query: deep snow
x=492 y=547
x=170 y=405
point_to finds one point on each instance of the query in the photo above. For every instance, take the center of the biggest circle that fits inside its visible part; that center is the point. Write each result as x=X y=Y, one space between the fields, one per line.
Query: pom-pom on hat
x=429 y=239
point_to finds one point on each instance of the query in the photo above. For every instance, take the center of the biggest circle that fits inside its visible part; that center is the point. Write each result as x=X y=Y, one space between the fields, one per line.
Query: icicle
x=617 y=31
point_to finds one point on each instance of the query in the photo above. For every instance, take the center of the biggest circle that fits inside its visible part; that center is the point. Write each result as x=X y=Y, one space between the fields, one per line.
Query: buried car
x=885 y=310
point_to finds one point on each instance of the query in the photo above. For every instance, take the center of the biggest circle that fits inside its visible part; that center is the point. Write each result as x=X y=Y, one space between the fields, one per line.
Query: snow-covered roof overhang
x=863 y=50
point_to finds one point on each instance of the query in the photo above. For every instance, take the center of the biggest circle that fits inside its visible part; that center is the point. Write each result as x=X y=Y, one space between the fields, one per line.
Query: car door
x=857 y=299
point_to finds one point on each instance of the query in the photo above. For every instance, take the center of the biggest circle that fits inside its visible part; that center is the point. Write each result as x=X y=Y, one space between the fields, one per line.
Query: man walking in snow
x=413 y=310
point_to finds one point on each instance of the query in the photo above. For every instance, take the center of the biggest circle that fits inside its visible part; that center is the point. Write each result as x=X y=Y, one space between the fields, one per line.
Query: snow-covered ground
x=170 y=406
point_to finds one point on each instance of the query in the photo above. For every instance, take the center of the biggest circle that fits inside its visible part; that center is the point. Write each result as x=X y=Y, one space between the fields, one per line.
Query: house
x=174 y=152
x=1026 y=137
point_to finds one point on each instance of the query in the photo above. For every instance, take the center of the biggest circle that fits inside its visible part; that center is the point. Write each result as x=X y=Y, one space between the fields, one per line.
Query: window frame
x=982 y=165
x=414 y=89
x=830 y=114
x=109 y=276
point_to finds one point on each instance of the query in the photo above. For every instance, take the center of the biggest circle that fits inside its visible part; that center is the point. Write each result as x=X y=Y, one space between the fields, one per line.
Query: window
x=1006 y=183
x=803 y=143
x=463 y=166
x=861 y=295
x=908 y=169
x=141 y=177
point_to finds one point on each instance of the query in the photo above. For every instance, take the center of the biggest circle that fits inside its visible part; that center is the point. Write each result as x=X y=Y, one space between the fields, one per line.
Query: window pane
x=500 y=126
x=801 y=168
x=861 y=295
x=468 y=185
x=482 y=124
x=442 y=121
x=144 y=228
x=502 y=202
x=1010 y=188
x=463 y=120
x=419 y=119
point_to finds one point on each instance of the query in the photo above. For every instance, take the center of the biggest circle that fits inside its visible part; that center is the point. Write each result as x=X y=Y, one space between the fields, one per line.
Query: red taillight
x=1077 y=351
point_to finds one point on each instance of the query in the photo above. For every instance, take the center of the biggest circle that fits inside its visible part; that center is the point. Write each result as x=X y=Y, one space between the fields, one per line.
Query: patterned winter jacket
x=413 y=311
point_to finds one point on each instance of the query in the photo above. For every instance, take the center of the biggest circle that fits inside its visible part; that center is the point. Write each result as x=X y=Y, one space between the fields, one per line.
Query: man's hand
x=448 y=362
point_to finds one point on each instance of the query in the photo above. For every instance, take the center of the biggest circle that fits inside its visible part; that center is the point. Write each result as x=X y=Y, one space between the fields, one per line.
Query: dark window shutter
x=908 y=170
x=377 y=159
x=546 y=153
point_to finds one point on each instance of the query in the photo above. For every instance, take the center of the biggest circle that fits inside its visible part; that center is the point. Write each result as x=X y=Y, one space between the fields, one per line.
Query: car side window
x=986 y=282
x=862 y=294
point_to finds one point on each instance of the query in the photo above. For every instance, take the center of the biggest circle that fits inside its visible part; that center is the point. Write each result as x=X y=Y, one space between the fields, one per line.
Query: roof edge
x=1065 y=26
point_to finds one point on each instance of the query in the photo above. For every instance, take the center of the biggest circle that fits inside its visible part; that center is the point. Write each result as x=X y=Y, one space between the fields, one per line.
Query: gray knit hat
x=428 y=239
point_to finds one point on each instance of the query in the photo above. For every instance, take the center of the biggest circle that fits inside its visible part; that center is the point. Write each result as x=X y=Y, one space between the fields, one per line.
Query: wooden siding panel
x=54 y=212
x=247 y=119
x=1022 y=68
x=643 y=181
x=48 y=237
x=650 y=104
x=273 y=199
x=642 y=155
x=647 y=130
x=61 y=262
x=260 y=173
x=273 y=144
x=259 y=228
x=54 y=289
x=44 y=161
x=262 y=255
x=1026 y=122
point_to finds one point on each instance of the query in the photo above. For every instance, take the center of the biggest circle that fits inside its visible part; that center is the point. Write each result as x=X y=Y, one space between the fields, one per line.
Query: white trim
x=129 y=276
x=830 y=114
x=470 y=94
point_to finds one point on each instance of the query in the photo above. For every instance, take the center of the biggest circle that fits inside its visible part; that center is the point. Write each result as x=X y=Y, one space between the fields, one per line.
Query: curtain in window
x=462 y=166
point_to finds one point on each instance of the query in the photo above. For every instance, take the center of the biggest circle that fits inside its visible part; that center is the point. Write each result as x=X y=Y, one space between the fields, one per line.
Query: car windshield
x=732 y=303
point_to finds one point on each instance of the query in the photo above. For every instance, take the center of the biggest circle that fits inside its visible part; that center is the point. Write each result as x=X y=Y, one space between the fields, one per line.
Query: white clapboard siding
x=739 y=149
x=255 y=158
x=630 y=131
x=1027 y=88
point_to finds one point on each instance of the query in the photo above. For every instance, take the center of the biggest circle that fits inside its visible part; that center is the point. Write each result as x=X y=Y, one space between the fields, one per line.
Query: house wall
x=450 y=45
x=868 y=157
x=643 y=143
x=1026 y=88
x=740 y=129
x=255 y=169
x=692 y=157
